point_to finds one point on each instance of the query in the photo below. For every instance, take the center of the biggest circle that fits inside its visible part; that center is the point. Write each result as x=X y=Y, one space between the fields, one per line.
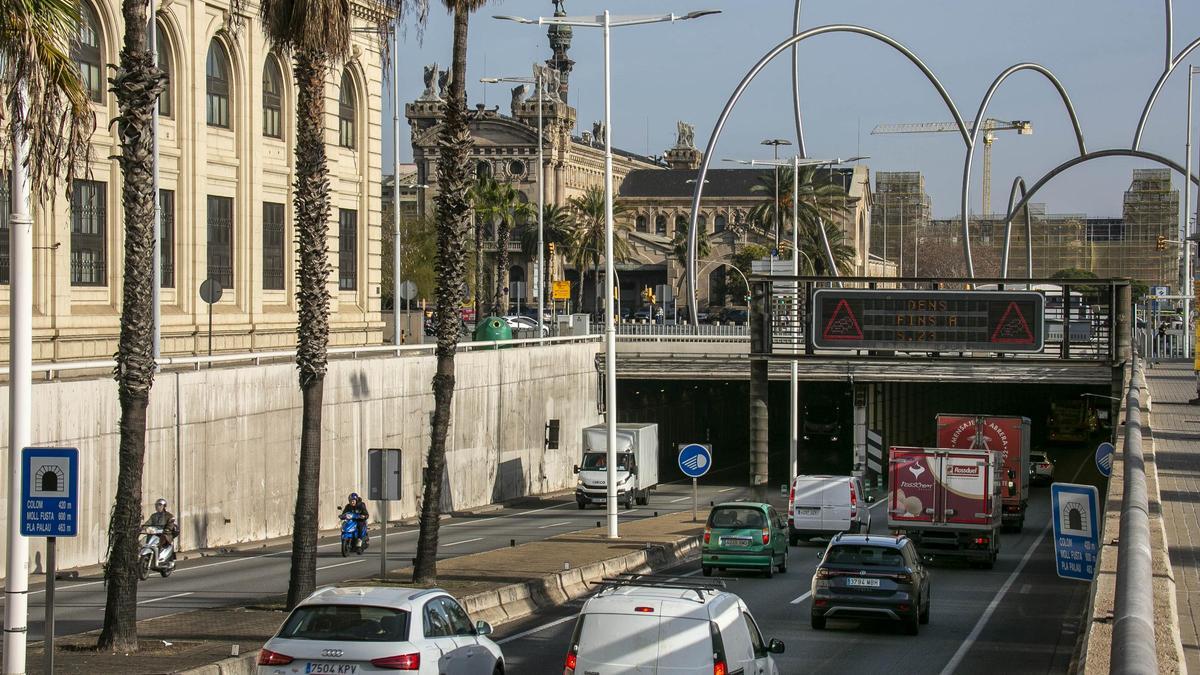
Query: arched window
x=681 y=224
x=347 y=106
x=702 y=223
x=217 y=75
x=719 y=224
x=164 y=64
x=660 y=225
x=88 y=54
x=272 y=99
x=641 y=223
x=716 y=286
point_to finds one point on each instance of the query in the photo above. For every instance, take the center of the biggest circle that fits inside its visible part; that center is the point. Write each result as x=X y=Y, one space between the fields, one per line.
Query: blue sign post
x=1104 y=458
x=694 y=461
x=1075 y=514
x=50 y=509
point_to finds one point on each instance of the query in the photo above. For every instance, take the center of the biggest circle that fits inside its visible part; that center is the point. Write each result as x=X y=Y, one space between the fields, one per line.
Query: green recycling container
x=492 y=328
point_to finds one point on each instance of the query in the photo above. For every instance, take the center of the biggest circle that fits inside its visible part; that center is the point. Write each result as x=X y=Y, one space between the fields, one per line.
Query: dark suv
x=864 y=576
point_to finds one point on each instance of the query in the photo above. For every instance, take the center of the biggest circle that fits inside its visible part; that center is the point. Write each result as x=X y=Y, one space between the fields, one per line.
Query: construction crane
x=990 y=126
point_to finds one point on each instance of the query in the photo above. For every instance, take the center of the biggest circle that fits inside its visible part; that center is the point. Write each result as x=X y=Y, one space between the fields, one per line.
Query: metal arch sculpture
x=1170 y=63
x=795 y=39
x=979 y=117
x=796 y=84
x=1018 y=184
x=1097 y=154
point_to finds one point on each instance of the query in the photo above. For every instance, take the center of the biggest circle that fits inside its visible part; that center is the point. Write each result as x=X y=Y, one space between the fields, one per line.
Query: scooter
x=154 y=556
x=353 y=538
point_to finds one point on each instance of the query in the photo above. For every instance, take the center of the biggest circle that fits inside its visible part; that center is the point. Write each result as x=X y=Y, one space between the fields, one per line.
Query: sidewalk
x=1176 y=431
x=497 y=586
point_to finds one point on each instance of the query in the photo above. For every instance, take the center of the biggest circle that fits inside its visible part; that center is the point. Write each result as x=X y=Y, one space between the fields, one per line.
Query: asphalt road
x=238 y=578
x=1018 y=617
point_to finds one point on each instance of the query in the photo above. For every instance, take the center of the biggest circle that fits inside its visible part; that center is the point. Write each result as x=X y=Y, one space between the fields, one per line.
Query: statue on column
x=518 y=95
x=444 y=79
x=431 y=73
x=685 y=136
x=558 y=8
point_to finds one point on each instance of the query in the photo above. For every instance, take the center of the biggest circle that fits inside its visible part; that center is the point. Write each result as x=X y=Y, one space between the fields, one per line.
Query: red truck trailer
x=947 y=501
x=1009 y=435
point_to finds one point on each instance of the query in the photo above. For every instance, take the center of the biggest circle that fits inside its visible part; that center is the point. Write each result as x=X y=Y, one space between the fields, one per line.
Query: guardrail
x=54 y=368
x=1133 y=648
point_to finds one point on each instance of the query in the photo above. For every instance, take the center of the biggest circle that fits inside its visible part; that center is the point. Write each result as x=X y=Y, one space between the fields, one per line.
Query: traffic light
x=1161 y=244
x=648 y=295
x=551 y=248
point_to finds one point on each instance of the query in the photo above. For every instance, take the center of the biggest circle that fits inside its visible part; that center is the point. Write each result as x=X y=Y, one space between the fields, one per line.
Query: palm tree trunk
x=452 y=208
x=501 y=301
x=136 y=84
x=311 y=204
x=479 y=287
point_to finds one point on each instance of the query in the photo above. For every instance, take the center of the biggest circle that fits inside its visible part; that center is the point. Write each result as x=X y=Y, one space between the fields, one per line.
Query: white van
x=668 y=627
x=822 y=506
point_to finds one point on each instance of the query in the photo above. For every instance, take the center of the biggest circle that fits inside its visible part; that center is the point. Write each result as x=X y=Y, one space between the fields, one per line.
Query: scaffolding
x=900 y=210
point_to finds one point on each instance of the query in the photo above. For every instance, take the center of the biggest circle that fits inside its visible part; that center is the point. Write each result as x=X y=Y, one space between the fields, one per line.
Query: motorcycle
x=353 y=538
x=154 y=556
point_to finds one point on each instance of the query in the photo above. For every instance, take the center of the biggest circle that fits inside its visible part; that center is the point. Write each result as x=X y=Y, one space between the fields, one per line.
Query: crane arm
x=1022 y=127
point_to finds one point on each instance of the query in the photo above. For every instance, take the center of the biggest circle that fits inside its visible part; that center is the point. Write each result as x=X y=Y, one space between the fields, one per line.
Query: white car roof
x=700 y=604
x=380 y=596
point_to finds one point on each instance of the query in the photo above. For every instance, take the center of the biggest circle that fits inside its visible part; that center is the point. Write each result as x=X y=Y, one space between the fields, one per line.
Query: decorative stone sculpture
x=518 y=95
x=444 y=79
x=685 y=135
x=431 y=73
x=599 y=132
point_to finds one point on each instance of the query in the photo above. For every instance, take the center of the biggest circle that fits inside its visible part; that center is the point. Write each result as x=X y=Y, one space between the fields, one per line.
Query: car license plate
x=735 y=542
x=808 y=511
x=865 y=583
x=600 y=500
x=321 y=668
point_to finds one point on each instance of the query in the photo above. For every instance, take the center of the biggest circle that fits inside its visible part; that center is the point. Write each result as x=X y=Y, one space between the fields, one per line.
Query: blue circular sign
x=695 y=460
x=1104 y=458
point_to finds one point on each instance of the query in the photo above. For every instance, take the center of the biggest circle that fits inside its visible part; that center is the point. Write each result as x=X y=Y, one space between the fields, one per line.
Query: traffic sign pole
x=694 y=461
x=51 y=546
x=695 y=499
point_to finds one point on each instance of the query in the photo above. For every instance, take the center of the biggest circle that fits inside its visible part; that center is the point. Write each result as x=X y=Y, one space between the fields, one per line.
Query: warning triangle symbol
x=1013 y=329
x=843 y=325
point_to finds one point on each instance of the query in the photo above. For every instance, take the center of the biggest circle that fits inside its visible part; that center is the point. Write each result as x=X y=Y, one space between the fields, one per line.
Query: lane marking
x=165 y=597
x=676 y=501
x=727 y=489
x=801 y=598
x=1025 y=588
x=464 y=541
x=565 y=522
x=987 y=613
x=329 y=567
x=539 y=629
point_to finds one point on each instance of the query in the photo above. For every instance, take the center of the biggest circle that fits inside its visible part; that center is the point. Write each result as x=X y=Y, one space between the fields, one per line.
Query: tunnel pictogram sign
x=1073 y=509
x=49 y=492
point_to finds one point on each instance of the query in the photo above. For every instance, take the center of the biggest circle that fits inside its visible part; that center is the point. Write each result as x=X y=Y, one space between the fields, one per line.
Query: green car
x=745 y=535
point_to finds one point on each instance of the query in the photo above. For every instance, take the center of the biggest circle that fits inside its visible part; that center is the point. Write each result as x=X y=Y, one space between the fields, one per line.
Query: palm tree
x=512 y=210
x=814 y=249
x=316 y=33
x=485 y=201
x=820 y=199
x=587 y=238
x=679 y=249
x=137 y=84
x=453 y=210
x=556 y=229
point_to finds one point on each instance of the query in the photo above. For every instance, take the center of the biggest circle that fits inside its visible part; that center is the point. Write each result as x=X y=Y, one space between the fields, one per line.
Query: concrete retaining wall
x=223 y=444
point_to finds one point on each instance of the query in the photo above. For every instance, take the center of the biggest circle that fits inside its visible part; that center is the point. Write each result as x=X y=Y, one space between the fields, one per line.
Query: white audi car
x=367 y=630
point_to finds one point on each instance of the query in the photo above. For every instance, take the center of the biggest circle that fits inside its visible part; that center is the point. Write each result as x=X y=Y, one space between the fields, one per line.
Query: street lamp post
x=1185 y=286
x=537 y=82
x=775 y=143
x=606 y=22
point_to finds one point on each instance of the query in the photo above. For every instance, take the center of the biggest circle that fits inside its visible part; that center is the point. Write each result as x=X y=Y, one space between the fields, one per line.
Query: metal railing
x=55 y=368
x=1133 y=647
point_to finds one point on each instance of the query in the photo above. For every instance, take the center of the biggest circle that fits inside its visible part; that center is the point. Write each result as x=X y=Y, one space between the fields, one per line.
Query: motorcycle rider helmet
x=161 y=502
x=354 y=497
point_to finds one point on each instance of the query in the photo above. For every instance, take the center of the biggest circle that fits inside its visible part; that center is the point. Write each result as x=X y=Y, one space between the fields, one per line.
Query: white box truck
x=637 y=464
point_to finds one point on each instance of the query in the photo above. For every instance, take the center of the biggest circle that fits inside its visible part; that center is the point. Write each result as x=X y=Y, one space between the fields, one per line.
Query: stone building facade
x=227 y=141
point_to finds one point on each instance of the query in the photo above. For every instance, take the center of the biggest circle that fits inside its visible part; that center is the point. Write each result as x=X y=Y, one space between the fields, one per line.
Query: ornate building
x=227 y=141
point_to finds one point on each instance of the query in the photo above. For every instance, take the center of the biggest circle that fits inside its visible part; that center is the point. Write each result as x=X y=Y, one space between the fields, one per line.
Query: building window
x=88 y=211
x=641 y=223
x=273 y=229
x=681 y=224
x=5 y=213
x=346 y=112
x=483 y=169
x=272 y=99
x=660 y=225
x=166 y=215
x=702 y=223
x=217 y=76
x=719 y=224
x=220 y=240
x=164 y=64
x=87 y=53
x=347 y=249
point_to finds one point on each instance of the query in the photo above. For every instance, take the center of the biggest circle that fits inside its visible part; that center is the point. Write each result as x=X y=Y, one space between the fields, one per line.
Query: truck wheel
x=581 y=505
x=643 y=497
x=818 y=622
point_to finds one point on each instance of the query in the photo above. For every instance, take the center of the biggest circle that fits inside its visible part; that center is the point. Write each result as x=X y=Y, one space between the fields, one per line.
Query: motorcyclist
x=164 y=520
x=358 y=508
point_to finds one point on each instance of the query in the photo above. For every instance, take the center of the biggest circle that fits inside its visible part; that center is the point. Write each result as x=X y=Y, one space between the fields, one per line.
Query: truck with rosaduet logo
x=948 y=501
x=1007 y=433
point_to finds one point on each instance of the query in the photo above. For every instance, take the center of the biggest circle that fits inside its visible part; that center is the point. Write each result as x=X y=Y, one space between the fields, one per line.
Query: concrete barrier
x=222 y=445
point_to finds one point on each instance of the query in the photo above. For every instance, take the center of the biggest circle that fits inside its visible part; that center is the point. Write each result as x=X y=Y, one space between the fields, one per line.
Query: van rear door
x=684 y=646
x=620 y=644
x=835 y=499
x=807 y=503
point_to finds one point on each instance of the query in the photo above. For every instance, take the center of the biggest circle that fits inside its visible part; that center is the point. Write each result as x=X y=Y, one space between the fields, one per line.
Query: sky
x=1107 y=53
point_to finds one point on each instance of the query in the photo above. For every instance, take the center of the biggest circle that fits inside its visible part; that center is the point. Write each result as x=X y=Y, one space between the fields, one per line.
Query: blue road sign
x=49 y=492
x=695 y=460
x=1076 y=531
x=1104 y=458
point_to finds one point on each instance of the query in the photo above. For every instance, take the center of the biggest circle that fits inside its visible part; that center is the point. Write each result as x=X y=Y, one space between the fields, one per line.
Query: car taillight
x=266 y=657
x=399 y=662
x=766 y=535
x=707 y=535
x=981 y=541
x=853 y=501
x=569 y=668
x=902 y=578
x=822 y=573
x=792 y=498
x=719 y=668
